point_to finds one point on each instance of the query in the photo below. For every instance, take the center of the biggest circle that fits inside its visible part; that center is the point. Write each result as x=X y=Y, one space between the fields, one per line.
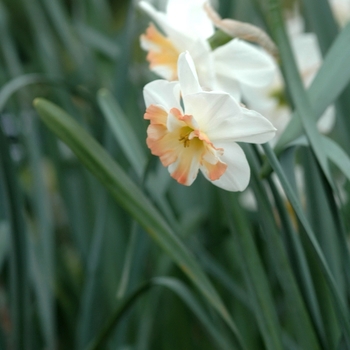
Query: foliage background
x=85 y=267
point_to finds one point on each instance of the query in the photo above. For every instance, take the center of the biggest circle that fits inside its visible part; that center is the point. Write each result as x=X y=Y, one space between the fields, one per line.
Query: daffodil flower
x=191 y=130
x=186 y=27
x=341 y=11
x=271 y=100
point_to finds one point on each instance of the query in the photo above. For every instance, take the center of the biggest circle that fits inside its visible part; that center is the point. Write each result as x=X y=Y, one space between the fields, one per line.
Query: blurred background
x=69 y=254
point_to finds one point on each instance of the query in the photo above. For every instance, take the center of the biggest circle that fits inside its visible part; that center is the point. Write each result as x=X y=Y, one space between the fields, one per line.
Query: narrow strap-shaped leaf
x=18 y=83
x=294 y=245
x=19 y=259
x=255 y=276
x=63 y=27
x=91 y=284
x=338 y=302
x=129 y=196
x=176 y=287
x=337 y=155
x=122 y=131
x=330 y=81
x=295 y=86
x=320 y=18
x=300 y=320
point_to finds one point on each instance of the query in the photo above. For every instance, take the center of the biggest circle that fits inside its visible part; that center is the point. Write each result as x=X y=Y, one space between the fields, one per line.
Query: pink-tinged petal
x=244 y=62
x=211 y=109
x=156 y=114
x=155 y=132
x=237 y=175
x=187 y=75
x=162 y=143
x=162 y=54
x=186 y=167
x=213 y=171
x=176 y=120
x=162 y=92
x=189 y=16
x=210 y=158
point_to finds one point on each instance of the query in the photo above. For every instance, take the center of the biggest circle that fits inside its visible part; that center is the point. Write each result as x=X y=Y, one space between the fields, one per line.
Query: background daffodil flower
x=271 y=100
x=203 y=134
x=186 y=27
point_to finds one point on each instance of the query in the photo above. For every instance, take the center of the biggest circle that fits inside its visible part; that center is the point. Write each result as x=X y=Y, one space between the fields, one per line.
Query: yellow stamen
x=184 y=136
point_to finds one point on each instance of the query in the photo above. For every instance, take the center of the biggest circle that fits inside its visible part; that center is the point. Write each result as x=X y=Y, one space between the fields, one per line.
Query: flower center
x=184 y=136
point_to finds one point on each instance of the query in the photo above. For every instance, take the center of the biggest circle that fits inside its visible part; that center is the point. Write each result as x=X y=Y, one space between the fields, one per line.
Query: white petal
x=327 y=120
x=237 y=175
x=211 y=109
x=159 y=17
x=164 y=93
x=201 y=54
x=189 y=16
x=250 y=127
x=180 y=39
x=244 y=62
x=187 y=75
x=307 y=54
x=229 y=85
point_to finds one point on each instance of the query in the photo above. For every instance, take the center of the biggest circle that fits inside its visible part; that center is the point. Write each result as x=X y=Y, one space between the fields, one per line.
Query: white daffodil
x=186 y=27
x=341 y=11
x=191 y=130
x=271 y=100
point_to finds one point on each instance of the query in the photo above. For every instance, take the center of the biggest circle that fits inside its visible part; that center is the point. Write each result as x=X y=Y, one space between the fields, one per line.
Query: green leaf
x=337 y=299
x=129 y=196
x=297 y=315
x=255 y=276
x=330 y=81
x=337 y=155
x=328 y=238
x=98 y=41
x=122 y=131
x=320 y=18
x=176 y=287
x=295 y=86
x=19 y=259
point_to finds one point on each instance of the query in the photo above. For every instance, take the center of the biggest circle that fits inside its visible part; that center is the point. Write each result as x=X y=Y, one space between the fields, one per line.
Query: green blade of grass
x=129 y=196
